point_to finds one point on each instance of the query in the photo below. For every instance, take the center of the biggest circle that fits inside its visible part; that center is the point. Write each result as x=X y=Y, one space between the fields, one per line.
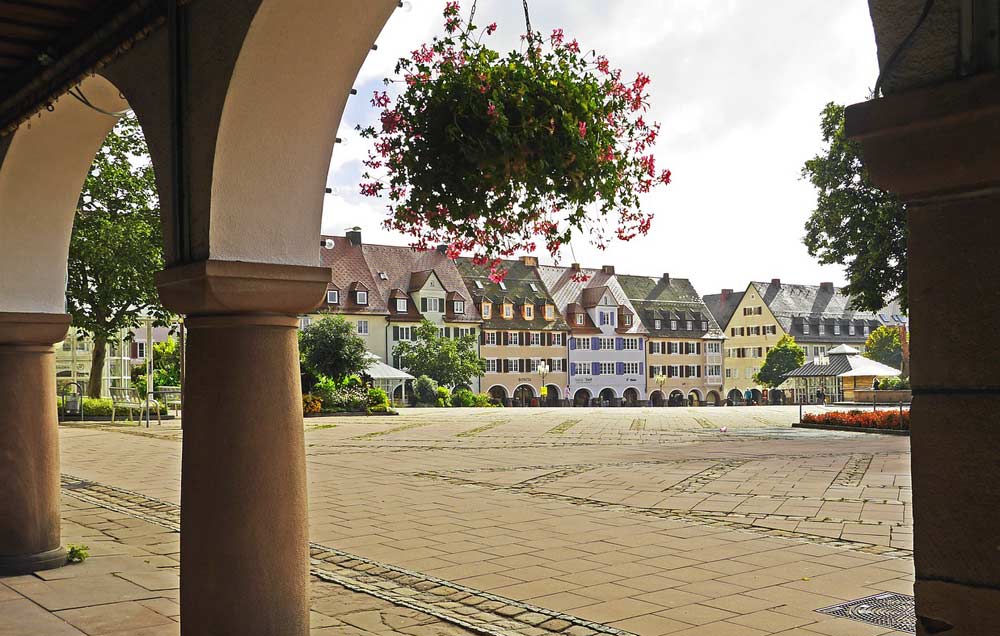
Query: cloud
x=738 y=87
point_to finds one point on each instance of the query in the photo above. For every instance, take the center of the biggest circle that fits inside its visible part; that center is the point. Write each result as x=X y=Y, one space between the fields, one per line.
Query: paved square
x=531 y=521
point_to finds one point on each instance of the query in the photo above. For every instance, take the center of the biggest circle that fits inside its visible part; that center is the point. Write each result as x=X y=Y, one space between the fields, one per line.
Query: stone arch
x=656 y=398
x=498 y=392
x=42 y=170
x=676 y=398
x=735 y=396
x=523 y=395
x=608 y=395
x=552 y=394
x=694 y=397
x=630 y=396
x=582 y=397
x=757 y=395
x=712 y=398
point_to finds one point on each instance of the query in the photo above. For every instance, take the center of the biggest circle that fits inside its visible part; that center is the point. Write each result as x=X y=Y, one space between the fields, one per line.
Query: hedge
x=892 y=420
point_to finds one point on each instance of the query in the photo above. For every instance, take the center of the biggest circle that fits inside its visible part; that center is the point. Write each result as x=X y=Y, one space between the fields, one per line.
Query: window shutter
x=423 y=305
x=482 y=337
x=651 y=347
x=697 y=348
x=506 y=338
x=620 y=368
x=564 y=364
x=595 y=343
x=572 y=368
x=619 y=344
x=651 y=371
x=641 y=346
x=572 y=344
x=641 y=365
x=525 y=365
x=595 y=368
x=395 y=333
x=670 y=371
x=698 y=369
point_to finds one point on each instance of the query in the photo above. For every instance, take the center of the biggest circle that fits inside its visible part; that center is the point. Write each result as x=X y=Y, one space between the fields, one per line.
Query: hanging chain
x=472 y=14
x=527 y=21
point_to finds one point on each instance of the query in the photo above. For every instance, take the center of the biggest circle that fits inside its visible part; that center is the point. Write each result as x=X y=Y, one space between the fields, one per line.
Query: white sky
x=737 y=86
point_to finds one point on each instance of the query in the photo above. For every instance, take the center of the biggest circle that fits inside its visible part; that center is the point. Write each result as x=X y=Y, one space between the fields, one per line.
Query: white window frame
x=514 y=365
x=332 y=297
x=401 y=305
x=459 y=306
x=362 y=297
x=362 y=327
x=631 y=368
x=508 y=311
x=657 y=324
x=673 y=325
x=583 y=368
x=487 y=310
x=550 y=312
x=579 y=319
x=805 y=328
x=583 y=343
x=607 y=344
x=140 y=350
x=851 y=329
x=836 y=328
x=490 y=338
x=557 y=339
x=822 y=328
x=491 y=365
x=529 y=312
x=630 y=344
x=607 y=368
x=534 y=339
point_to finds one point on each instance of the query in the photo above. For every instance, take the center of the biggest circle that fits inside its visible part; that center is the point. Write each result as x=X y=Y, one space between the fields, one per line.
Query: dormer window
x=529 y=312
x=550 y=312
x=533 y=287
x=479 y=284
x=673 y=325
x=850 y=329
x=704 y=325
x=487 y=310
x=362 y=297
x=459 y=306
x=502 y=285
x=401 y=305
x=508 y=311
x=657 y=324
x=627 y=320
x=383 y=276
x=579 y=319
x=689 y=325
x=805 y=328
x=867 y=329
x=836 y=328
x=822 y=329
x=333 y=296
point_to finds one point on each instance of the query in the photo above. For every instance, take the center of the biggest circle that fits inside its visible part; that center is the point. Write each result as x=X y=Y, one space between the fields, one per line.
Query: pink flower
x=380 y=100
x=582 y=127
x=557 y=37
x=491 y=29
x=491 y=110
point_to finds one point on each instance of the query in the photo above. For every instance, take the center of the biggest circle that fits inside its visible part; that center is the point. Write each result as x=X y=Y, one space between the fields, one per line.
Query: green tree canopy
x=166 y=366
x=855 y=223
x=331 y=348
x=884 y=345
x=116 y=245
x=448 y=361
x=783 y=357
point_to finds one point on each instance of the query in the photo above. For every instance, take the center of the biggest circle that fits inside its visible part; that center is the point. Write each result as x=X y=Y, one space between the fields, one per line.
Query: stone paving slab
x=669 y=527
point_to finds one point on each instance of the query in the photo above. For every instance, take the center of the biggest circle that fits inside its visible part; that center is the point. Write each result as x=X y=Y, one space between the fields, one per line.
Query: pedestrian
x=875 y=384
x=748 y=397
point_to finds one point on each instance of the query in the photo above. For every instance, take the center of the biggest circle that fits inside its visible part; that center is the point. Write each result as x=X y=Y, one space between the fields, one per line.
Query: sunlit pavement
x=652 y=521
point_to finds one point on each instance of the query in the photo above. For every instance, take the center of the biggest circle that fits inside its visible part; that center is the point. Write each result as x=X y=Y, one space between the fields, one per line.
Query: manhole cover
x=888 y=609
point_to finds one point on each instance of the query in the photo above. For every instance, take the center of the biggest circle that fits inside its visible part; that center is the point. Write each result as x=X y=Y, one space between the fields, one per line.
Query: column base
x=27 y=563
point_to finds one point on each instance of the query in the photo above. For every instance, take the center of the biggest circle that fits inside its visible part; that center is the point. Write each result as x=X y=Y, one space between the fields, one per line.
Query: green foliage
x=894 y=384
x=539 y=142
x=425 y=390
x=463 y=397
x=443 y=396
x=783 y=357
x=166 y=367
x=377 y=397
x=484 y=400
x=96 y=407
x=346 y=396
x=116 y=245
x=449 y=361
x=884 y=345
x=331 y=348
x=855 y=223
x=76 y=553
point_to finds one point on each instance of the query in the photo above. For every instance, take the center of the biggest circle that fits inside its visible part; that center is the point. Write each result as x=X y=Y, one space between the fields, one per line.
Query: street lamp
x=660 y=380
x=543 y=370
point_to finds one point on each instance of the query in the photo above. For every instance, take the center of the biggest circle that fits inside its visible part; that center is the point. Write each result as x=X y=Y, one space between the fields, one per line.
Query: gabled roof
x=843 y=364
x=566 y=288
x=669 y=299
x=523 y=285
x=723 y=306
x=348 y=269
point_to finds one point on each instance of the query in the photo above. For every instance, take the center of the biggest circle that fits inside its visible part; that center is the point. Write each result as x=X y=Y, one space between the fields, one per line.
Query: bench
x=128 y=399
x=171 y=397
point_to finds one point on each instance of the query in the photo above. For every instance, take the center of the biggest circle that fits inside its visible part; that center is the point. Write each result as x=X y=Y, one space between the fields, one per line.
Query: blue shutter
x=572 y=344
x=595 y=368
x=641 y=345
x=611 y=318
x=620 y=368
x=572 y=368
x=619 y=344
x=595 y=343
x=641 y=367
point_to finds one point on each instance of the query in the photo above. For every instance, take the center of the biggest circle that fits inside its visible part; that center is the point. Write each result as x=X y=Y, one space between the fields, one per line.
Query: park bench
x=171 y=397
x=128 y=399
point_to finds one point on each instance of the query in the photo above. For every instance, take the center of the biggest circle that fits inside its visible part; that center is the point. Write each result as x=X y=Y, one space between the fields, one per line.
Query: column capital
x=231 y=287
x=32 y=329
x=932 y=142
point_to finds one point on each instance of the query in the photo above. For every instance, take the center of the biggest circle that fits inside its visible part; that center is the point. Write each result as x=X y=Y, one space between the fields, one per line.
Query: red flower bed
x=892 y=420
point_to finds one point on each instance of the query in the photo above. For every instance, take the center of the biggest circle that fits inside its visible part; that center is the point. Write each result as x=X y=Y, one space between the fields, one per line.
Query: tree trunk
x=97 y=367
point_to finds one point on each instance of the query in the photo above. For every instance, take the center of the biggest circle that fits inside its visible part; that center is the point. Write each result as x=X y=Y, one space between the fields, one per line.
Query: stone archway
x=676 y=398
x=523 y=395
x=607 y=396
x=582 y=397
x=734 y=397
x=712 y=398
x=757 y=396
x=552 y=395
x=694 y=398
x=630 y=397
x=656 y=398
x=498 y=394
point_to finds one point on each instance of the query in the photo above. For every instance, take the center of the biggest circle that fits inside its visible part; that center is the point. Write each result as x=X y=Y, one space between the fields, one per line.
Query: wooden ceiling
x=46 y=46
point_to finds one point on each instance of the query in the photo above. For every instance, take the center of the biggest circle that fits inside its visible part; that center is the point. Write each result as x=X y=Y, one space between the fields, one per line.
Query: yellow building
x=819 y=317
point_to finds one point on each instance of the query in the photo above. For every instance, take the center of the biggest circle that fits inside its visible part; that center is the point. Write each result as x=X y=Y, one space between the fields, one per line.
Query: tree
x=116 y=245
x=784 y=357
x=449 y=361
x=331 y=348
x=855 y=223
x=166 y=366
x=884 y=345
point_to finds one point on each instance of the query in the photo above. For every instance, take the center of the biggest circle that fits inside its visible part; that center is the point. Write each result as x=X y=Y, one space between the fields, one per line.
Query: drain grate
x=888 y=609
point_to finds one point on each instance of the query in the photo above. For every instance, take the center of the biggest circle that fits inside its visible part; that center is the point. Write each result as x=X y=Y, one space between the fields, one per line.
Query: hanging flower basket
x=491 y=154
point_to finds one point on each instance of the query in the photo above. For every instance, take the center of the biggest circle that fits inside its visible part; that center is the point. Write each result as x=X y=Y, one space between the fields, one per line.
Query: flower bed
x=881 y=420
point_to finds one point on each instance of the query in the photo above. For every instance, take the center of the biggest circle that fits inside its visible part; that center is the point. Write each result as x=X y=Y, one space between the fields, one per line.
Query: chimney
x=442 y=248
x=776 y=282
x=826 y=287
x=726 y=293
x=666 y=278
x=354 y=236
x=608 y=269
x=575 y=267
x=529 y=261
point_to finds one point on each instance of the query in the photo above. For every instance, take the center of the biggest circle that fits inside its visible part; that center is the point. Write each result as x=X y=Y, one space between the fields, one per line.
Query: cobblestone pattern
x=474 y=610
x=854 y=471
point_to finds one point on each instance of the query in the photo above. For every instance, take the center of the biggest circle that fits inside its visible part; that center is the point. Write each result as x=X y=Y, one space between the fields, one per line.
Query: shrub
x=340 y=398
x=894 y=384
x=377 y=397
x=311 y=404
x=443 y=396
x=425 y=389
x=99 y=407
x=892 y=420
x=325 y=389
x=484 y=400
x=463 y=397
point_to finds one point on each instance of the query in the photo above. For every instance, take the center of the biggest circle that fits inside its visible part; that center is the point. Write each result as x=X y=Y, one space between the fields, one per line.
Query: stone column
x=29 y=443
x=244 y=518
x=939 y=149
